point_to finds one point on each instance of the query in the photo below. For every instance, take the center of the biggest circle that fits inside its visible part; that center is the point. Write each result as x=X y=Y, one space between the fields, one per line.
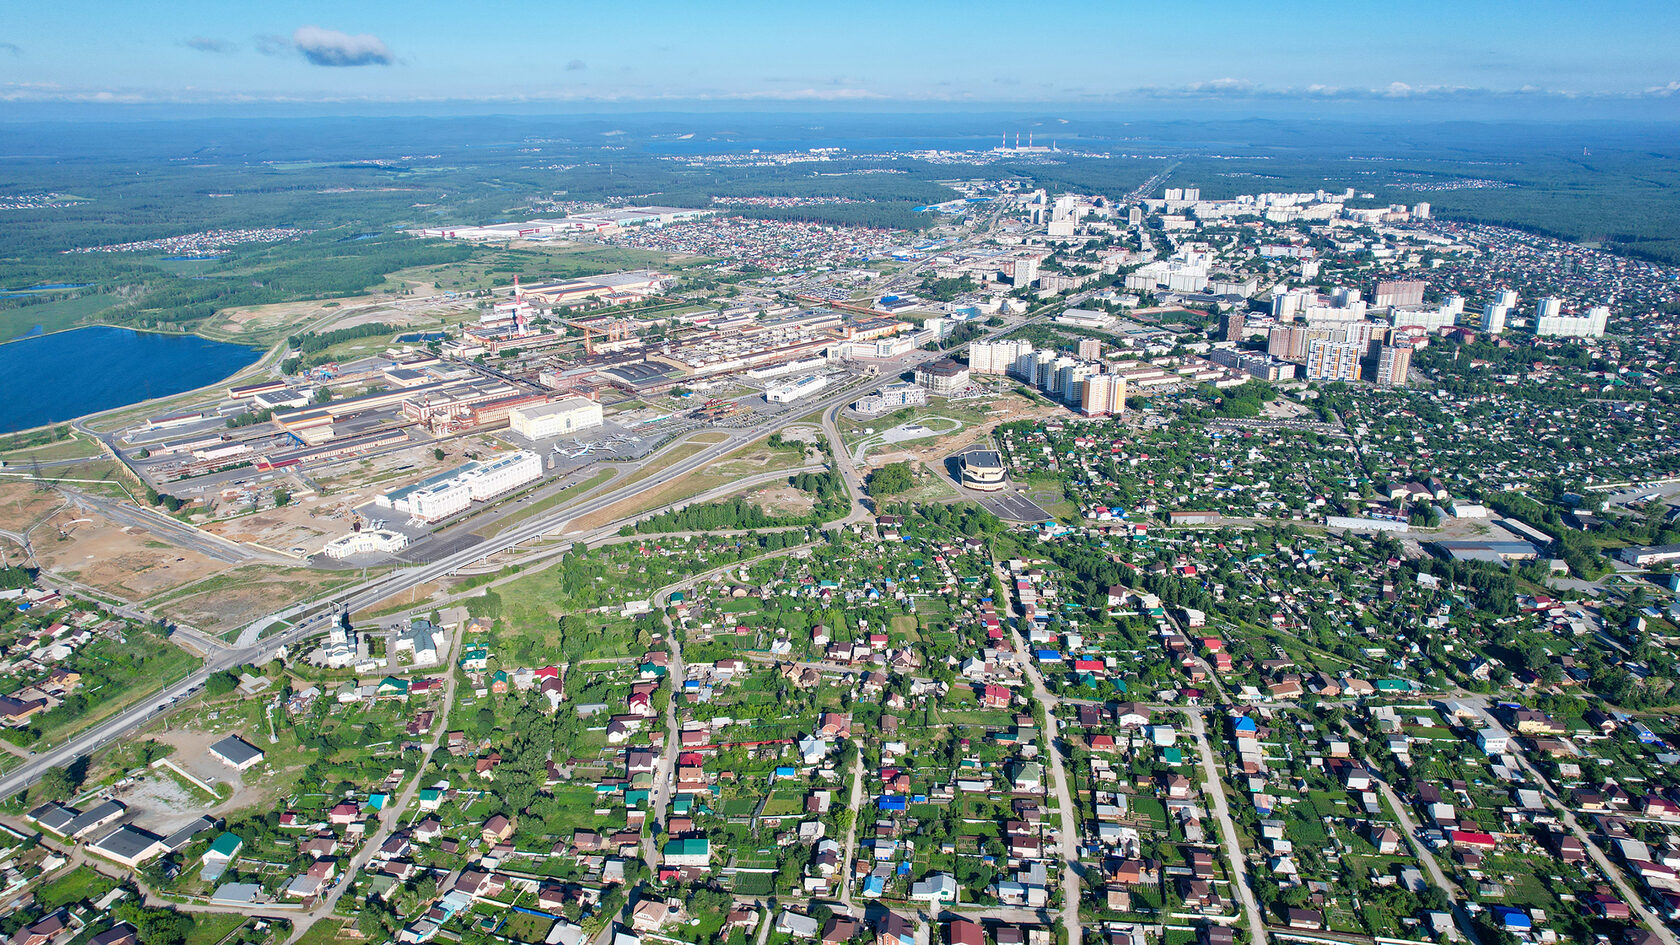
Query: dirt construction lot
x=162 y=802
x=22 y=504
x=931 y=451
x=782 y=499
x=235 y=598
x=124 y=560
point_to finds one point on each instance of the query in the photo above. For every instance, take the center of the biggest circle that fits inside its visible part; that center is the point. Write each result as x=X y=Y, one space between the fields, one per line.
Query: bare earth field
x=783 y=499
x=161 y=801
x=237 y=597
x=933 y=450
x=293 y=526
x=266 y=323
x=22 y=504
x=123 y=560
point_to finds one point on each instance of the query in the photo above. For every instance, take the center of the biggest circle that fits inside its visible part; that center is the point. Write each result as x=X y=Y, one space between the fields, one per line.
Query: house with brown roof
x=43 y=931
x=964 y=932
x=1304 y=919
x=497 y=828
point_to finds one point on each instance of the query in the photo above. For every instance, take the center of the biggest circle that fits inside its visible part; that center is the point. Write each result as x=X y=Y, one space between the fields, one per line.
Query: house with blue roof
x=1513 y=920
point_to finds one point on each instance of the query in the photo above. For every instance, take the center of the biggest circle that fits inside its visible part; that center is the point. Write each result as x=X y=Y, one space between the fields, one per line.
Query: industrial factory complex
x=546 y=380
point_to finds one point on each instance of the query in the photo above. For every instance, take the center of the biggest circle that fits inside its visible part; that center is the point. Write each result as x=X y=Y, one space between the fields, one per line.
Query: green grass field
x=325 y=932
x=81 y=884
x=209 y=929
x=52 y=316
x=491 y=267
x=739 y=807
x=754 y=884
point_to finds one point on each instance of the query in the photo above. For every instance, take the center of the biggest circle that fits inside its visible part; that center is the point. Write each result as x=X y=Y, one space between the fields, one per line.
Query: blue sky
x=1487 y=57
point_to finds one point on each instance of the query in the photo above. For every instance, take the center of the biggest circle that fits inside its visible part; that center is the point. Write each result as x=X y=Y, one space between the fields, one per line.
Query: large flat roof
x=559 y=406
x=236 y=750
x=127 y=842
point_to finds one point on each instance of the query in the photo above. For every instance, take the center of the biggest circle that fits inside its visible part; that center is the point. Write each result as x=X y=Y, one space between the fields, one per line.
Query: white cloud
x=1245 y=89
x=209 y=44
x=325 y=47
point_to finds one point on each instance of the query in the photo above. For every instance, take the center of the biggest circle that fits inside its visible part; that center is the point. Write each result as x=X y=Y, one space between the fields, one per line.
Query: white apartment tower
x=1558 y=325
x=1334 y=360
x=1493 y=318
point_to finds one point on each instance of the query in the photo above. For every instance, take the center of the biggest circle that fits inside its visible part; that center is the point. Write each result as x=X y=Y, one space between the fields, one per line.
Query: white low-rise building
x=443 y=496
x=794 y=390
x=367 y=541
x=422 y=641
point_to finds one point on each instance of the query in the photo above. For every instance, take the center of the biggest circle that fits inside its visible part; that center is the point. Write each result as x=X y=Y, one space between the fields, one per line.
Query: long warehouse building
x=442 y=496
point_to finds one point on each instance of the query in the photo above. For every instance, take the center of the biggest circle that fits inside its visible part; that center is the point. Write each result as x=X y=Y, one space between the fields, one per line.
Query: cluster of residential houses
x=44 y=654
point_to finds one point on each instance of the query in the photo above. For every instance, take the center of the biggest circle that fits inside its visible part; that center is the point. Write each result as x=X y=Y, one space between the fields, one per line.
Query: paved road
x=170 y=530
x=1070 y=832
x=844 y=466
x=1233 y=849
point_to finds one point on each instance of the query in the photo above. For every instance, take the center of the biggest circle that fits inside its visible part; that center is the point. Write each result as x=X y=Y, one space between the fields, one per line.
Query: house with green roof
x=475 y=659
x=223 y=851
x=691 y=851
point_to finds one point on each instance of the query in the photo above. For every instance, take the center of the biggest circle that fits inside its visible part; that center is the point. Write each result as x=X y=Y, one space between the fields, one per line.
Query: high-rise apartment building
x=1399 y=292
x=1558 y=325
x=995 y=357
x=1334 y=360
x=1394 y=365
x=1103 y=395
x=1290 y=342
x=1493 y=317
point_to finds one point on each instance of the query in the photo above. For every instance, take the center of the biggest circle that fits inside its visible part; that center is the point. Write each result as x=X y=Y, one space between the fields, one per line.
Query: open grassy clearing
x=494 y=266
x=571 y=492
x=56 y=315
x=74 y=448
x=329 y=932
x=750 y=460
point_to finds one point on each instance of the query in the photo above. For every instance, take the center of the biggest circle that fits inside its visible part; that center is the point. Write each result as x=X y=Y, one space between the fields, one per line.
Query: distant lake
x=62 y=376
